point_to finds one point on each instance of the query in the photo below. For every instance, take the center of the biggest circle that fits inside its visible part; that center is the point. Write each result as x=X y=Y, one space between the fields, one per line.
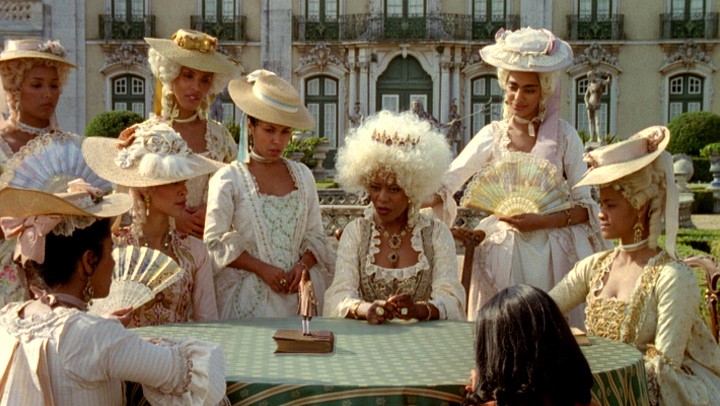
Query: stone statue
x=595 y=88
x=419 y=109
x=216 y=108
x=454 y=126
x=356 y=117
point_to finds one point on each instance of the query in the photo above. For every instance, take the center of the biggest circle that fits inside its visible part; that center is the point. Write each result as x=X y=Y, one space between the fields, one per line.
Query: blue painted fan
x=48 y=163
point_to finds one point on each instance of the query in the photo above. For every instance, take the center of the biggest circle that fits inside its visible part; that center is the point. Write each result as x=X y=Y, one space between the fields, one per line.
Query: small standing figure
x=418 y=108
x=596 y=87
x=356 y=117
x=307 y=304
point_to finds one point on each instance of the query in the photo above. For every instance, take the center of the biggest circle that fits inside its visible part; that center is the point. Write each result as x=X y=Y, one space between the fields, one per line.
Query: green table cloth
x=390 y=364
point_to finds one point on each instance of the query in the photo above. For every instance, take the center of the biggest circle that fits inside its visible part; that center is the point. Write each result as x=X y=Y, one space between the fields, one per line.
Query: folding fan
x=516 y=184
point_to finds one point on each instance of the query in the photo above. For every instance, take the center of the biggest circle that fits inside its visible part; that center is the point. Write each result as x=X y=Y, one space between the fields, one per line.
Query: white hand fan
x=51 y=163
x=139 y=274
x=517 y=184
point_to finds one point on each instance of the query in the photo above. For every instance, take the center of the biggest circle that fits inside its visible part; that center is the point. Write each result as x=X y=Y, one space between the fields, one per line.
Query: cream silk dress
x=275 y=229
x=682 y=360
x=538 y=258
x=190 y=298
x=67 y=357
x=434 y=278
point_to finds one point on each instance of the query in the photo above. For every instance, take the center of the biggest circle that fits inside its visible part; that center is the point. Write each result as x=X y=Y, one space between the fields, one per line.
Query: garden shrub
x=111 y=123
x=693 y=130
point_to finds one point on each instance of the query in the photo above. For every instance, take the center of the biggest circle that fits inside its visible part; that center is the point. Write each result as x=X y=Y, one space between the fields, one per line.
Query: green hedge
x=703 y=203
x=111 y=123
x=693 y=130
x=701 y=168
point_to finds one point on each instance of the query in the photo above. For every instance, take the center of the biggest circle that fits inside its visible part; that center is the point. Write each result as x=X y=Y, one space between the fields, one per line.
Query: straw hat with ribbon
x=193 y=49
x=613 y=162
x=269 y=98
x=30 y=215
x=33 y=48
x=156 y=155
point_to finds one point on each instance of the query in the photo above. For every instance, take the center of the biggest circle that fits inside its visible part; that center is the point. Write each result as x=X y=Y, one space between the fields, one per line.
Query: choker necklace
x=254 y=155
x=529 y=123
x=394 y=241
x=186 y=120
x=37 y=131
x=634 y=246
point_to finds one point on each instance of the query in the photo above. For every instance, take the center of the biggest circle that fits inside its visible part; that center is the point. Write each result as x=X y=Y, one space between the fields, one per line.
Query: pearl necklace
x=166 y=239
x=186 y=120
x=36 y=131
x=394 y=241
x=634 y=246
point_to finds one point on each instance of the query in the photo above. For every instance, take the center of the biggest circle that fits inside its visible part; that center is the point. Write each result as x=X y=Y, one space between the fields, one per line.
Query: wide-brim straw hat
x=157 y=156
x=195 y=50
x=614 y=161
x=22 y=203
x=269 y=98
x=36 y=49
x=528 y=50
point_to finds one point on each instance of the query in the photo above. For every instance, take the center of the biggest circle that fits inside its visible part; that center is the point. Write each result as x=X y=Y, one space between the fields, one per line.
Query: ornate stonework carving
x=688 y=54
x=595 y=55
x=321 y=55
x=470 y=57
x=125 y=54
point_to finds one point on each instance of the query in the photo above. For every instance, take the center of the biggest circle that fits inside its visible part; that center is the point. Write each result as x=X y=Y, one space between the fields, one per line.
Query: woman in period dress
x=536 y=249
x=263 y=223
x=33 y=73
x=394 y=261
x=54 y=352
x=639 y=293
x=190 y=71
x=307 y=302
x=155 y=163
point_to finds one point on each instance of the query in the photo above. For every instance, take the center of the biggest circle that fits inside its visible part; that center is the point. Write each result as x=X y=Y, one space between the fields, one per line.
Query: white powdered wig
x=402 y=144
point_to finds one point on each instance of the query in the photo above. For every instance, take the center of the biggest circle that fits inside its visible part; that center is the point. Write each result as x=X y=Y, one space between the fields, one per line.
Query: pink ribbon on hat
x=31 y=232
x=550 y=47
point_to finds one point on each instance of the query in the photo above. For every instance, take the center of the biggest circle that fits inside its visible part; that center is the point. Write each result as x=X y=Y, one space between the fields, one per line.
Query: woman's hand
x=192 y=221
x=380 y=311
x=122 y=315
x=275 y=278
x=404 y=306
x=526 y=222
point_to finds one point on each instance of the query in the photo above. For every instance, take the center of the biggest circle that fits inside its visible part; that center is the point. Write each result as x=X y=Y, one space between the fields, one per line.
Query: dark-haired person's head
x=526 y=353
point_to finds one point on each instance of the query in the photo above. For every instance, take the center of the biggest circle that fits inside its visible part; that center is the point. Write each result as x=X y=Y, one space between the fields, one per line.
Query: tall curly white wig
x=166 y=71
x=418 y=168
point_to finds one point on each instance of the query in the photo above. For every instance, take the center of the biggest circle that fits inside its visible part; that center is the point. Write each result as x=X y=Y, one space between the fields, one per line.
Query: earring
x=88 y=292
x=147 y=205
x=638 y=230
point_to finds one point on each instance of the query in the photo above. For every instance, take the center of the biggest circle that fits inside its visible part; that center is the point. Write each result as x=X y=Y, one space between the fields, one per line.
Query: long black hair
x=62 y=253
x=526 y=353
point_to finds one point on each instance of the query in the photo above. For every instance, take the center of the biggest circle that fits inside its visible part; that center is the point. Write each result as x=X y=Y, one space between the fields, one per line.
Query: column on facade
x=352 y=81
x=444 y=84
x=366 y=92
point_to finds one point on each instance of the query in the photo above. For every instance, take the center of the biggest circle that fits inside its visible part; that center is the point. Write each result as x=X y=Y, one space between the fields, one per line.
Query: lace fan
x=139 y=274
x=519 y=183
x=48 y=163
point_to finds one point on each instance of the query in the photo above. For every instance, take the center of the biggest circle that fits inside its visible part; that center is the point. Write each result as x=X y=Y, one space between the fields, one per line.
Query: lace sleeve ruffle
x=201 y=377
x=670 y=383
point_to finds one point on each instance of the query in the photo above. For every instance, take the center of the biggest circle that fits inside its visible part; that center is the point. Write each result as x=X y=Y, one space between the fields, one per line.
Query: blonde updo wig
x=548 y=81
x=166 y=71
x=418 y=168
x=13 y=73
x=646 y=186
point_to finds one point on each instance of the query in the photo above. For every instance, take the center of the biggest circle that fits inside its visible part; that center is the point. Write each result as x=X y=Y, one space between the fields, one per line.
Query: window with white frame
x=685 y=94
x=128 y=10
x=128 y=93
x=485 y=89
x=218 y=10
x=405 y=8
x=321 y=99
x=488 y=10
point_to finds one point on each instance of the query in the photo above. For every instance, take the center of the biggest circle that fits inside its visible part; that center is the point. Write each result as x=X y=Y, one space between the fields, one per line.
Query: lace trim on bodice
x=36 y=325
x=503 y=142
x=277 y=214
x=380 y=283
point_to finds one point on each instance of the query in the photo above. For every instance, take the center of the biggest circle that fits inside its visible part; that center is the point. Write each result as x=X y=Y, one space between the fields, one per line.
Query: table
x=394 y=363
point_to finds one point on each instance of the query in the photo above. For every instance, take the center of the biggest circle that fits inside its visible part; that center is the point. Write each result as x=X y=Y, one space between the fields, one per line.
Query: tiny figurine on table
x=307 y=303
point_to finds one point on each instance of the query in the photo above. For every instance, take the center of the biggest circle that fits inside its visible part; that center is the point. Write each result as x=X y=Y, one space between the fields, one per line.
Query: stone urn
x=715 y=170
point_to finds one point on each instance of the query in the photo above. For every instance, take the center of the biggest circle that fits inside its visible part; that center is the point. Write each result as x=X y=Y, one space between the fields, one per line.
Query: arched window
x=485 y=88
x=321 y=99
x=686 y=94
x=582 y=122
x=128 y=93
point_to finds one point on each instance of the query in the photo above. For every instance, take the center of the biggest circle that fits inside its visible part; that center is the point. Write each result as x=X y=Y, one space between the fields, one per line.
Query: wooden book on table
x=580 y=336
x=293 y=341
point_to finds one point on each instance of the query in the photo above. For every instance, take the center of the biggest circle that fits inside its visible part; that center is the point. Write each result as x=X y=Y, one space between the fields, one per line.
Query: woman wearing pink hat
x=535 y=249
